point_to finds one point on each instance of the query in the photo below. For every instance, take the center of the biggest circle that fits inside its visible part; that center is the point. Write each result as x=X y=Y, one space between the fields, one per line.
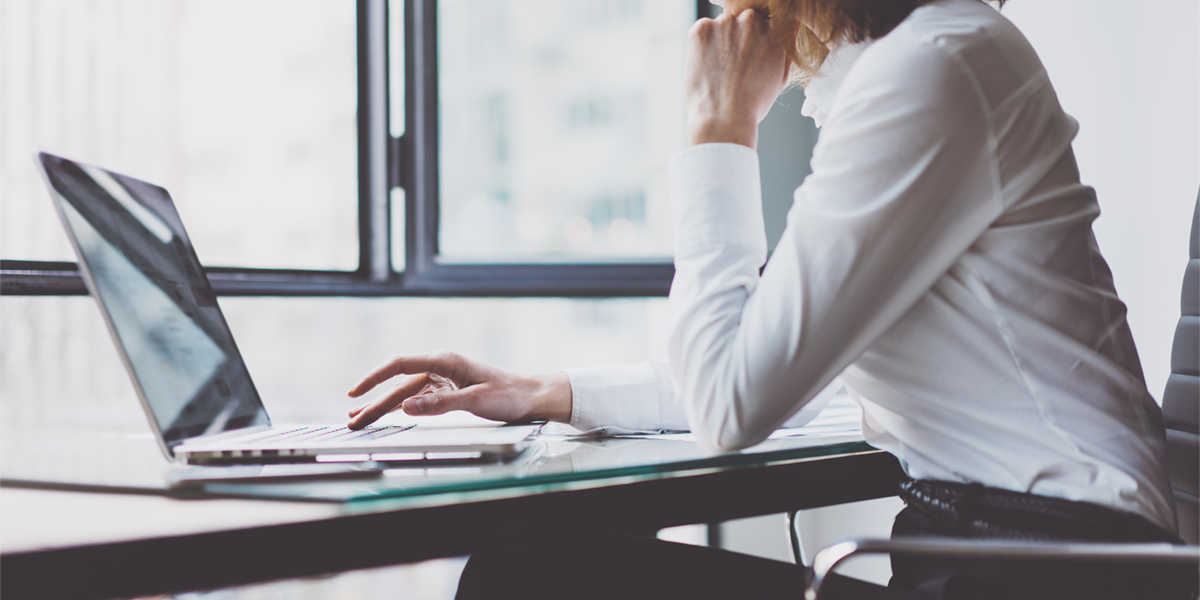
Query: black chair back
x=1181 y=399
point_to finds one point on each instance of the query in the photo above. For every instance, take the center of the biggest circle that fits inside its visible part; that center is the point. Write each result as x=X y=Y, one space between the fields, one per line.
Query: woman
x=939 y=258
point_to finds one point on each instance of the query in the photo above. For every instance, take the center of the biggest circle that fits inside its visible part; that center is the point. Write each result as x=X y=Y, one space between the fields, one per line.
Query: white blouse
x=940 y=258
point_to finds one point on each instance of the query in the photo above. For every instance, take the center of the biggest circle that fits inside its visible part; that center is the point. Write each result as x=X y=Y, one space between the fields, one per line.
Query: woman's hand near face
x=734 y=72
x=436 y=383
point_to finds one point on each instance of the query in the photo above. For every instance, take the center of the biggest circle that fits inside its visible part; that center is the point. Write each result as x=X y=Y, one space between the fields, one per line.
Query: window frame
x=385 y=163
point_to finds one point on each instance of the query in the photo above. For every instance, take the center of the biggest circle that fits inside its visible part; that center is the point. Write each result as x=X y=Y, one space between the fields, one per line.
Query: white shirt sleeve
x=634 y=397
x=642 y=397
x=880 y=219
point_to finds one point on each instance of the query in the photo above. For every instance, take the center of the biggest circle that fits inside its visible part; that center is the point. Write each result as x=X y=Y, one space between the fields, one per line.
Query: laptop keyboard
x=327 y=433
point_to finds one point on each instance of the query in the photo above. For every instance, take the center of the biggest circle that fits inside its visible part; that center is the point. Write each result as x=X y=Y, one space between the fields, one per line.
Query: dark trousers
x=634 y=567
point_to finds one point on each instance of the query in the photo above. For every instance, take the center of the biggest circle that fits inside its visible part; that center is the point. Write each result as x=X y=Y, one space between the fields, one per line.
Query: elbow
x=723 y=410
x=727 y=441
x=720 y=427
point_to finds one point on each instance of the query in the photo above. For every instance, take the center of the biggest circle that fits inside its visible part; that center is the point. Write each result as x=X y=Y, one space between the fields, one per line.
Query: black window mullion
x=420 y=148
x=40 y=278
x=569 y=280
x=46 y=278
x=374 y=235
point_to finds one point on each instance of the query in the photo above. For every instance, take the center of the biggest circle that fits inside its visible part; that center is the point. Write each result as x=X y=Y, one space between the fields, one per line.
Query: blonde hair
x=849 y=21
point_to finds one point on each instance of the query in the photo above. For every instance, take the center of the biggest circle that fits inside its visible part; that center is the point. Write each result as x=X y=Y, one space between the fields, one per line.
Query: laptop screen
x=160 y=308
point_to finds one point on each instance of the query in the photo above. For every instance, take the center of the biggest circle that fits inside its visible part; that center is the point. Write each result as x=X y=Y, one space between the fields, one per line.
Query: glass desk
x=98 y=507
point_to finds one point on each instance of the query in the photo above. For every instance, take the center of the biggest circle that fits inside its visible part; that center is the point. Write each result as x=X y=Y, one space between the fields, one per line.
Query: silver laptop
x=140 y=267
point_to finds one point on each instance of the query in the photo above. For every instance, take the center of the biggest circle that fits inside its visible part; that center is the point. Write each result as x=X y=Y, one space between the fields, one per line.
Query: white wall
x=1129 y=71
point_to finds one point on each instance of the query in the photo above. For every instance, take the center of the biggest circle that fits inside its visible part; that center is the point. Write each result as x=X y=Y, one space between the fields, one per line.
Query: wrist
x=552 y=399
x=715 y=131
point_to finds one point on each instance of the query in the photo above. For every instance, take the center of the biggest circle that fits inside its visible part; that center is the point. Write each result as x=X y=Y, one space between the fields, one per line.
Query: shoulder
x=913 y=82
x=949 y=52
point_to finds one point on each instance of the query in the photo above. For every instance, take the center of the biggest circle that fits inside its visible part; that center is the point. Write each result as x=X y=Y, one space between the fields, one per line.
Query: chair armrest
x=831 y=556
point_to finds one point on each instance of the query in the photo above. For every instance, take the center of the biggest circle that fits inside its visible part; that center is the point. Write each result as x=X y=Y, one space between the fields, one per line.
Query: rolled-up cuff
x=716 y=198
x=624 y=396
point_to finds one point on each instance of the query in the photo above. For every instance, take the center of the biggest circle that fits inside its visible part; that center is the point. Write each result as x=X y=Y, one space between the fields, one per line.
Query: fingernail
x=413 y=406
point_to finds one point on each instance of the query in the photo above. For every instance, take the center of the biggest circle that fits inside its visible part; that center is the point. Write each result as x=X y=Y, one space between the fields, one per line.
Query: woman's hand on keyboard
x=439 y=382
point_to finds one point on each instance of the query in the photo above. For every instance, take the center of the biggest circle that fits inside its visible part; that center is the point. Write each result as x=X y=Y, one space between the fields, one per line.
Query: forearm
x=633 y=397
x=645 y=397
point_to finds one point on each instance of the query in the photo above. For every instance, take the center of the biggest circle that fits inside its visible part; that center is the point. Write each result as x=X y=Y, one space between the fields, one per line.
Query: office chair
x=1181 y=413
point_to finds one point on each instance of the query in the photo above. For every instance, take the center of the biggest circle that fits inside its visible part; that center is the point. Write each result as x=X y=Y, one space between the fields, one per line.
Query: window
x=555 y=121
x=508 y=89
x=273 y=121
x=413 y=146
x=252 y=128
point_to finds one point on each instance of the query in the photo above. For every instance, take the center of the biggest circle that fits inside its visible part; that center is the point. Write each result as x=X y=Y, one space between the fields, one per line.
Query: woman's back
x=1016 y=368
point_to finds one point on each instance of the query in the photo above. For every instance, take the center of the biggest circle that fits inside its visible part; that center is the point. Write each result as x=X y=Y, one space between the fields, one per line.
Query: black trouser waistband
x=975 y=510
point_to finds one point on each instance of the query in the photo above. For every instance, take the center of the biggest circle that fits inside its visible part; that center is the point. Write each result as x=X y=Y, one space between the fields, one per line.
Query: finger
x=442 y=363
x=701 y=29
x=437 y=403
x=357 y=409
x=388 y=402
x=754 y=13
x=372 y=412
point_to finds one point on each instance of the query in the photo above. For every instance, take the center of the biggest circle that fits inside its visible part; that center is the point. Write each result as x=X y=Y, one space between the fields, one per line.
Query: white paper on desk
x=841 y=417
x=813 y=432
x=563 y=429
